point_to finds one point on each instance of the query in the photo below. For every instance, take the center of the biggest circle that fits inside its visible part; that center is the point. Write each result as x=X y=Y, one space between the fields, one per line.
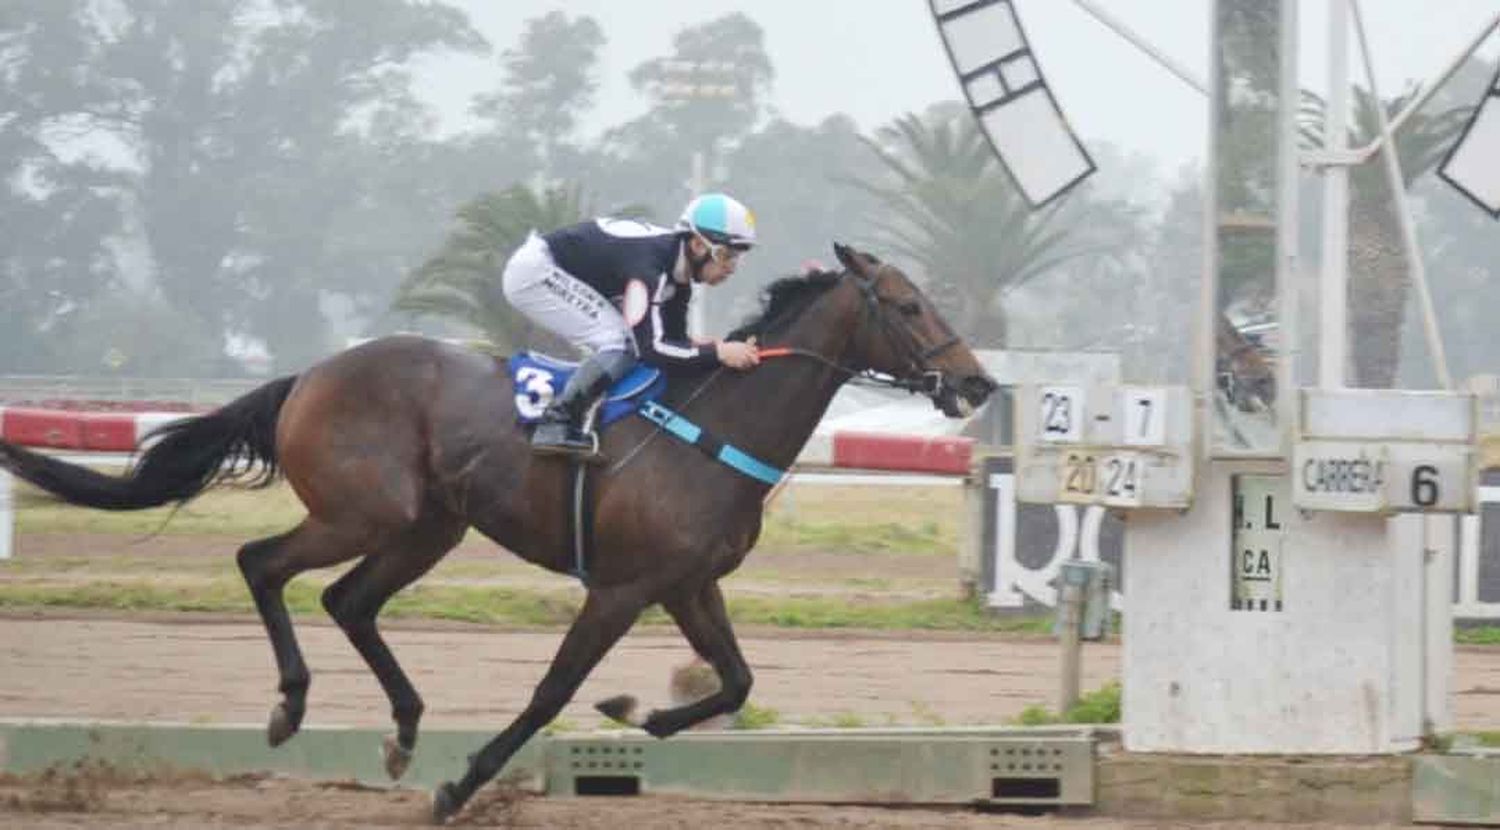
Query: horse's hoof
x=445 y=802
x=397 y=757
x=282 y=725
x=656 y=728
x=620 y=708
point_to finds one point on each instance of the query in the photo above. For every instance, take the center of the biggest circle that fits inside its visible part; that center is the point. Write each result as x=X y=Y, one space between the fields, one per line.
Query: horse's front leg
x=606 y=615
x=704 y=620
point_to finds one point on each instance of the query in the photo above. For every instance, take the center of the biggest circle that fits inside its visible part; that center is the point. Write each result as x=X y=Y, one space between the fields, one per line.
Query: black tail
x=185 y=457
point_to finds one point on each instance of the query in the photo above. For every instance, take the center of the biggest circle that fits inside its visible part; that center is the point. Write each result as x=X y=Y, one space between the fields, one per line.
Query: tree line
x=179 y=177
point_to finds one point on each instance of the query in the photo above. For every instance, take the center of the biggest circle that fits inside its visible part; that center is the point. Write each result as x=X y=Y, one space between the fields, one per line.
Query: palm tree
x=462 y=280
x=954 y=212
x=1377 y=263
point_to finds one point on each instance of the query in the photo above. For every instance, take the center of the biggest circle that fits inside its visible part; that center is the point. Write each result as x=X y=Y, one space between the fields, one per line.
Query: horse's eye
x=910 y=308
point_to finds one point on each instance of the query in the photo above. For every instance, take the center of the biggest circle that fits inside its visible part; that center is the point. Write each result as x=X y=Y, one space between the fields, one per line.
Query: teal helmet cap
x=720 y=219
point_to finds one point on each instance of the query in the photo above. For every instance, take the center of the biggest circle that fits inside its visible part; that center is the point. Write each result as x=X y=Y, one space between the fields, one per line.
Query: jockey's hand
x=738 y=355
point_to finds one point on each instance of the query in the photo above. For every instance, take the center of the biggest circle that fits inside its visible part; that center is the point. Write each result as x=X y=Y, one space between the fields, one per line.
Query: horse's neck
x=771 y=411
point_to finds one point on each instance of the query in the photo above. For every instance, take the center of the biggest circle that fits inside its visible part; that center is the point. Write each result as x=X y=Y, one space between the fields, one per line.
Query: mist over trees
x=183 y=179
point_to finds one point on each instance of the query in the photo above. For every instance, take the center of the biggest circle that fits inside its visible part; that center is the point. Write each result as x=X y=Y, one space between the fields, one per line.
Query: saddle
x=538 y=378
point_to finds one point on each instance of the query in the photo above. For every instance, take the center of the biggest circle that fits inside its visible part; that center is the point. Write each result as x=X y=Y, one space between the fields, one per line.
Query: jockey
x=619 y=290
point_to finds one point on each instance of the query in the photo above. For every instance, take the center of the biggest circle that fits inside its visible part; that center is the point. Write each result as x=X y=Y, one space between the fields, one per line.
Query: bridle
x=916 y=376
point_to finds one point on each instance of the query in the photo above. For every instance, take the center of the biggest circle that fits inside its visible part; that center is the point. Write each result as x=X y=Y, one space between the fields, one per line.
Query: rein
x=922 y=380
x=925 y=383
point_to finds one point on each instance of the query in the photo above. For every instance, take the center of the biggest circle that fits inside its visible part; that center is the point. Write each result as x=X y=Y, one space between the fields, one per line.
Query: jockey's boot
x=560 y=430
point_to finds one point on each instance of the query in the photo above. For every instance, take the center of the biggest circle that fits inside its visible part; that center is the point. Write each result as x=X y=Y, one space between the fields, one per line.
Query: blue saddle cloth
x=539 y=378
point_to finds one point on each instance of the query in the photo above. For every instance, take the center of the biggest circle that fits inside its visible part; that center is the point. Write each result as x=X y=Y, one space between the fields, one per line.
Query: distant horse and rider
x=400 y=445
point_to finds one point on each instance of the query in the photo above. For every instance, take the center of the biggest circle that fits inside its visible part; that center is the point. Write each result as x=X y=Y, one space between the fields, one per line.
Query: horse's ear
x=849 y=257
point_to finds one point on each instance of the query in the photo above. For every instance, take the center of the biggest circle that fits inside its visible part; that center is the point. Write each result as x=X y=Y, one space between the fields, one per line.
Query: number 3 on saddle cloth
x=539 y=378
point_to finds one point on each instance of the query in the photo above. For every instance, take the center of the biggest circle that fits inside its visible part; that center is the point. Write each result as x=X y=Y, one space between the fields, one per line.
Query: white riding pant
x=560 y=302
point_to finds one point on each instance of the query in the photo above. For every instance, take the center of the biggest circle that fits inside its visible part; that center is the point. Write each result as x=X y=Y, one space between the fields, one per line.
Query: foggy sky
x=877 y=59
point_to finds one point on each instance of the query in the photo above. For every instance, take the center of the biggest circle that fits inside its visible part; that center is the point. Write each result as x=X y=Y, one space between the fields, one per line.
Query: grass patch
x=926 y=520
x=1478 y=635
x=507 y=606
x=751 y=716
x=932 y=614
x=925 y=537
x=1099 y=706
x=227 y=510
x=840 y=720
x=873 y=519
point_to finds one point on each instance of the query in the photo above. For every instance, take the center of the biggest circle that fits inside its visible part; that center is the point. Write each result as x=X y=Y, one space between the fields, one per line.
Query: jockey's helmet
x=720 y=219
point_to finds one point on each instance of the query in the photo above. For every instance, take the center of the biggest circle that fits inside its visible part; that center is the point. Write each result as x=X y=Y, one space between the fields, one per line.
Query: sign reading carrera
x=1359 y=474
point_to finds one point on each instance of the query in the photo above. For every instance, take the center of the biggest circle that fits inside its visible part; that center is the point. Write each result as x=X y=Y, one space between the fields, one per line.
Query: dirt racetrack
x=251 y=803
x=213 y=670
x=219 y=670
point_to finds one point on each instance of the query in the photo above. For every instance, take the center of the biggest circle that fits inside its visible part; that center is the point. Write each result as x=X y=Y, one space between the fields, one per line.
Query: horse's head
x=901 y=334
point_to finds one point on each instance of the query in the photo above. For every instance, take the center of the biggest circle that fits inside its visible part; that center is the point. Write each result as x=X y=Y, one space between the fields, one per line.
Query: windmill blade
x=1003 y=83
x=1471 y=166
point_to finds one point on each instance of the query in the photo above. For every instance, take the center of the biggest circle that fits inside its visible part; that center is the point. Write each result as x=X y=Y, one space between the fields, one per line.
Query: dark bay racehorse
x=397 y=446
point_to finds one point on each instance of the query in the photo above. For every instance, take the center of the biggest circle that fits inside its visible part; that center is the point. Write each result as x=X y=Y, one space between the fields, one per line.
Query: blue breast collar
x=726 y=454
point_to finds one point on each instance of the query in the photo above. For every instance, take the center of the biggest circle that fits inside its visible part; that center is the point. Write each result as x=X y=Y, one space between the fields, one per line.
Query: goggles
x=721 y=253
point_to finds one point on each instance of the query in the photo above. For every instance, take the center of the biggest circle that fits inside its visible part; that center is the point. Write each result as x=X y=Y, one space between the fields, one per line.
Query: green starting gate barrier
x=869 y=766
x=1026 y=766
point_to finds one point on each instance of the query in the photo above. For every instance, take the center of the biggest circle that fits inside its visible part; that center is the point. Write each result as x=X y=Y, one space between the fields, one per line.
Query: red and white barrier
x=94 y=432
x=941 y=454
x=88 y=431
x=848 y=449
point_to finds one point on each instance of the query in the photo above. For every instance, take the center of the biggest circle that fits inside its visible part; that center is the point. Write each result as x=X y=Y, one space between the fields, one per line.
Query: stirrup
x=584 y=449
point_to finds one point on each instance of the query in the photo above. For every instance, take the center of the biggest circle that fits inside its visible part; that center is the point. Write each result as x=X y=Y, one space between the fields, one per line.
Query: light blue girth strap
x=690 y=433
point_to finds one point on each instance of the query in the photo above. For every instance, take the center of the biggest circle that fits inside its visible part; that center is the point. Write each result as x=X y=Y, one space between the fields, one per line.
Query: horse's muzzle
x=959 y=400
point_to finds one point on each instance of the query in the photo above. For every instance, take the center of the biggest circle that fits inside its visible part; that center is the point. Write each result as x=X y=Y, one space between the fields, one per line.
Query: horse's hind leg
x=267 y=565
x=604 y=619
x=356 y=598
x=704 y=621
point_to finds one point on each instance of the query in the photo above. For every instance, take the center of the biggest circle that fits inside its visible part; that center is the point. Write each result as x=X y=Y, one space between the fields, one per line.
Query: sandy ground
x=219 y=670
x=216 y=669
x=262 y=804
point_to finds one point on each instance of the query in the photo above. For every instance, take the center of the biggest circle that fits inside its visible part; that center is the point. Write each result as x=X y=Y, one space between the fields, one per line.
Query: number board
x=1385 y=451
x=1119 y=446
x=1256 y=543
x=1367 y=477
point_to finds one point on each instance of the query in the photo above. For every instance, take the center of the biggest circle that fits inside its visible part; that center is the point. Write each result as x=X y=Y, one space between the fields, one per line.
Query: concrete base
x=1345 y=650
x=1198 y=788
x=1041 y=766
x=1456 y=789
x=28 y=747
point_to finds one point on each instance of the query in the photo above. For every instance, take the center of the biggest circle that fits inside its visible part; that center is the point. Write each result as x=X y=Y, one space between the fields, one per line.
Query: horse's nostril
x=978 y=388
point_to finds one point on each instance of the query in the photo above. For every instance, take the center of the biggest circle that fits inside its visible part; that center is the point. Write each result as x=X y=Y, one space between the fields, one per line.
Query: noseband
x=917 y=376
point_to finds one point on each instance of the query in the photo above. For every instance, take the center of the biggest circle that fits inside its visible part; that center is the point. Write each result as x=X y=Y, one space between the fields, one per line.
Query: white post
x=1333 y=335
x=697 y=327
x=7 y=515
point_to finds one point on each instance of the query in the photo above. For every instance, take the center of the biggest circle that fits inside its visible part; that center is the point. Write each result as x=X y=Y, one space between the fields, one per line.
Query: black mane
x=783 y=300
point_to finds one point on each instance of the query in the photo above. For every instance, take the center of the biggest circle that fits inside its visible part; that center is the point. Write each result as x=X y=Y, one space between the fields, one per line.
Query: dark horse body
x=398 y=446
